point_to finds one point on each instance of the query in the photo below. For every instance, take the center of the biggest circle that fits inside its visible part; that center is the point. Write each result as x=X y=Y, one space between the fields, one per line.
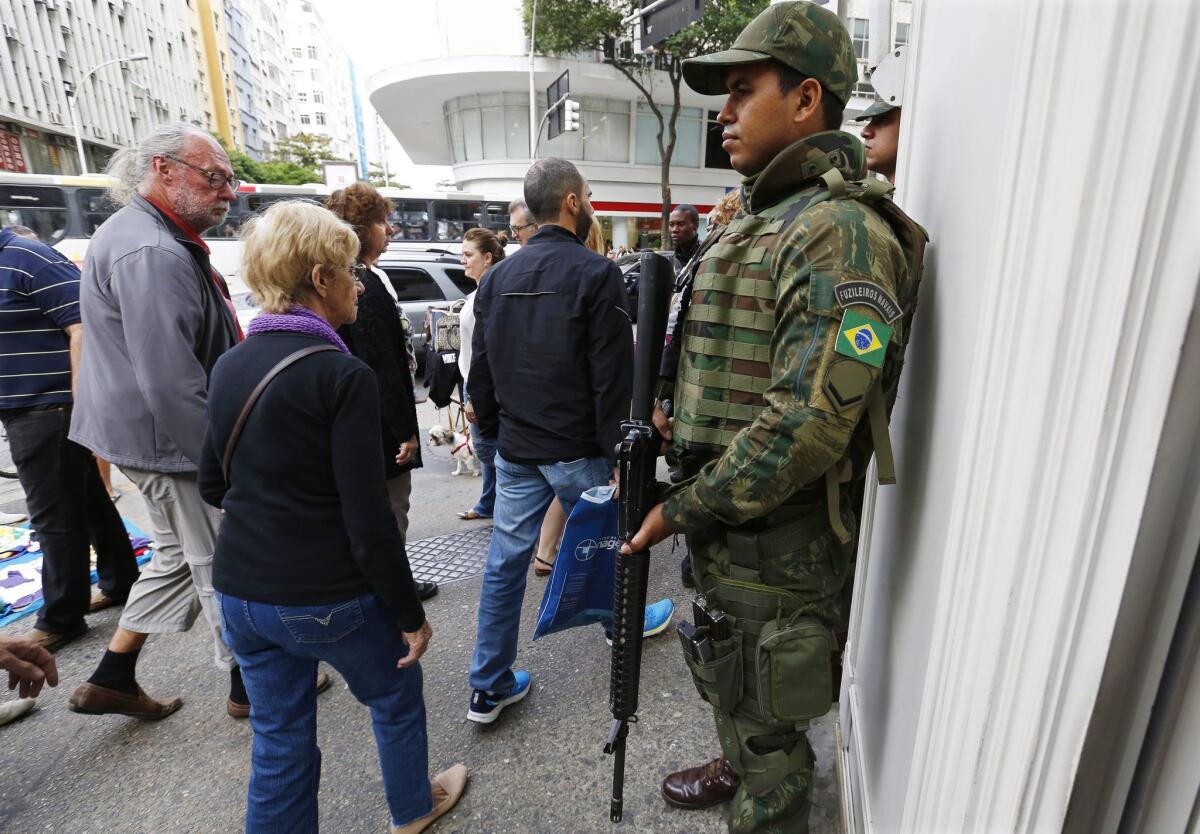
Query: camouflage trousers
x=780 y=581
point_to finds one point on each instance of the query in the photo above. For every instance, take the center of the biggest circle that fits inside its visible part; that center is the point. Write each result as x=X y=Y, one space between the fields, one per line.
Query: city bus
x=64 y=211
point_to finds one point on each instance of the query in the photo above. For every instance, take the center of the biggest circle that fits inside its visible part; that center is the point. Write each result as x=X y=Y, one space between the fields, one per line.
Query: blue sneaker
x=657 y=618
x=486 y=707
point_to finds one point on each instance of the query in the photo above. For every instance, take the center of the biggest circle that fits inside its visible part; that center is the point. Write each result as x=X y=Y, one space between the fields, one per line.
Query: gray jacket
x=154 y=325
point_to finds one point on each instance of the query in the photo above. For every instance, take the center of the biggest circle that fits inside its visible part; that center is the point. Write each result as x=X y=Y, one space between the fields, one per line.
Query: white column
x=620 y=232
x=1062 y=275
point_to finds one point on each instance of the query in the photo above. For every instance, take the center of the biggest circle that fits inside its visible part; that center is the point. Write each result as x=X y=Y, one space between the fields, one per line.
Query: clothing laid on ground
x=71 y=512
x=327 y=533
x=377 y=337
x=552 y=352
x=39 y=298
x=156 y=323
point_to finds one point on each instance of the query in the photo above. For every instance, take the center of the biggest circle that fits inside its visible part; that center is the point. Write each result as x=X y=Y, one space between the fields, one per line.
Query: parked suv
x=420 y=279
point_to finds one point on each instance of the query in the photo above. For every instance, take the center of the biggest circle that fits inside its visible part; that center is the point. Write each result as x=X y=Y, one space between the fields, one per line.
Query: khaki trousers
x=176 y=585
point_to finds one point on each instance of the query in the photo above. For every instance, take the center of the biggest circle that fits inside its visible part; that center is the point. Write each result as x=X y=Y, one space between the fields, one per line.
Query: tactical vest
x=725 y=364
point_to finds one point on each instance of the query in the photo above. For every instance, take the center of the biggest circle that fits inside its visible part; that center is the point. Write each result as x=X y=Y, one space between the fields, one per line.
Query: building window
x=901 y=34
x=860 y=29
x=312 y=52
x=304 y=119
x=604 y=125
x=302 y=98
x=318 y=97
x=297 y=52
x=490 y=126
x=687 y=136
x=859 y=35
x=320 y=118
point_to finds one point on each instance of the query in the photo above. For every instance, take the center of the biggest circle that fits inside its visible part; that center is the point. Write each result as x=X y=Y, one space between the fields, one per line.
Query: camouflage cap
x=800 y=34
x=878 y=106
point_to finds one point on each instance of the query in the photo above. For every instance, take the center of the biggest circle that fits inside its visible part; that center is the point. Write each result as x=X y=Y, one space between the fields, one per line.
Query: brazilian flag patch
x=863 y=339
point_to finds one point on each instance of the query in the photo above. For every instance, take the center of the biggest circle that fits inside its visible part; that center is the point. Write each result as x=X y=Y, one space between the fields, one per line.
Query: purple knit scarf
x=297 y=319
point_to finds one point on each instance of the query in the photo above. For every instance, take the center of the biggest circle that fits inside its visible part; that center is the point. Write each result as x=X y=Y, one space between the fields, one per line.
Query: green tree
x=376 y=177
x=307 y=150
x=565 y=27
x=245 y=168
x=288 y=173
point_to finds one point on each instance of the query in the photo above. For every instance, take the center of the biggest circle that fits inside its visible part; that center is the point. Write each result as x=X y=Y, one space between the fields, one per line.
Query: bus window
x=454 y=219
x=410 y=220
x=414 y=284
x=94 y=208
x=497 y=217
x=41 y=208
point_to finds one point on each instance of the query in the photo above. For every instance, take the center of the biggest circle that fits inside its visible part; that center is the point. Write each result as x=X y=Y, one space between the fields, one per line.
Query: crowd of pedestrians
x=276 y=465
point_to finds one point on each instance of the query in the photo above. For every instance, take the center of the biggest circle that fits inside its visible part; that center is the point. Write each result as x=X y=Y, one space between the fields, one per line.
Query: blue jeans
x=485 y=451
x=523 y=494
x=277 y=648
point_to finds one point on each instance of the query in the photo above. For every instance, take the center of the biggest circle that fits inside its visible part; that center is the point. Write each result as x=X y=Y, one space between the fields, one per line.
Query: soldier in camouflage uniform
x=796 y=333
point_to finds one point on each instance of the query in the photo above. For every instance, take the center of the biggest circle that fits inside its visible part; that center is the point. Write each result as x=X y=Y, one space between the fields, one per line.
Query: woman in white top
x=481 y=250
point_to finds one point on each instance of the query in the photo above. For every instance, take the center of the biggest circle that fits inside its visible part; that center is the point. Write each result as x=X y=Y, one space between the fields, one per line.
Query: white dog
x=460 y=449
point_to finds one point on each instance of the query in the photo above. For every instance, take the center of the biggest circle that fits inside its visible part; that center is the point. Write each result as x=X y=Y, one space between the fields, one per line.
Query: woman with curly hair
x=377 y=338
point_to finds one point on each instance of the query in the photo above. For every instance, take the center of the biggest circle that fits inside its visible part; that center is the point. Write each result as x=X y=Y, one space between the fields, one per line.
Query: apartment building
x=325 y=95
x=132 y=64
x=214 y=65
x=260 y=71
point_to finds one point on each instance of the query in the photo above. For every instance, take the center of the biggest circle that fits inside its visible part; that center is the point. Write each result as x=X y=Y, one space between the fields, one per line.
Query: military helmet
x=800 y=34
x=887 y=77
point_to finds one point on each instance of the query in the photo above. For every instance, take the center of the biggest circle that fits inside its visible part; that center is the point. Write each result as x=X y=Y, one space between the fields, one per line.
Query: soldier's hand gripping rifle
x=636 y=459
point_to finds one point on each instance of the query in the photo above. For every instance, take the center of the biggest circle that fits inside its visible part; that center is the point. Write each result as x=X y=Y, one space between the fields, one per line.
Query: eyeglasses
x=516 y=230
x=216 y=180
x=359 y=271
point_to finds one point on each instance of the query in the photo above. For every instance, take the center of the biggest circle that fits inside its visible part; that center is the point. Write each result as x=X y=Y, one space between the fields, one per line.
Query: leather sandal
x=471 y=515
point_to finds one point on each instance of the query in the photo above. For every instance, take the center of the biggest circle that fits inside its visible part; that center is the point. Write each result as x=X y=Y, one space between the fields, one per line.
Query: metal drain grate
x=449 y=558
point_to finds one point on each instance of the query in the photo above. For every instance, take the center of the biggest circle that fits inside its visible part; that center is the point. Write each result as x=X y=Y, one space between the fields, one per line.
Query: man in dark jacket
x=551 y=367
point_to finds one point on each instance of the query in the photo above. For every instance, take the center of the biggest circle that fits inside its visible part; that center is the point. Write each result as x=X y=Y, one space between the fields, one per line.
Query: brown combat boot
x=701 y=787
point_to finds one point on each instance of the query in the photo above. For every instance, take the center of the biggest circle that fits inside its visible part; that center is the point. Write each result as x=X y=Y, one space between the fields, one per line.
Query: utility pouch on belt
x=793 y=675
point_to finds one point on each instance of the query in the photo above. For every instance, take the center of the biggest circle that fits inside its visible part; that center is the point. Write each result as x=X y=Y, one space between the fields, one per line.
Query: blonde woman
x=306 y=565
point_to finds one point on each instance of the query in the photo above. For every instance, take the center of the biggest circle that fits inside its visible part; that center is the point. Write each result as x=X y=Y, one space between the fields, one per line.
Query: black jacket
x=377 y=338
x=307 y=518
x=552 y=353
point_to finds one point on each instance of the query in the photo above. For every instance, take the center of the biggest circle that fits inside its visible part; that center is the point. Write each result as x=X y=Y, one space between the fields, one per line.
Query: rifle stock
x=636 y=460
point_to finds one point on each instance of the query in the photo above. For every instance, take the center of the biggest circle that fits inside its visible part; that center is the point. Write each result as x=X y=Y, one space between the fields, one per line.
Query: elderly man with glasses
x=157 y=317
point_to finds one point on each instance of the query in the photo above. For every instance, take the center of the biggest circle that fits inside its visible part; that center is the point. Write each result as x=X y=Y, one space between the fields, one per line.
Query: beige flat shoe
x=448 y=787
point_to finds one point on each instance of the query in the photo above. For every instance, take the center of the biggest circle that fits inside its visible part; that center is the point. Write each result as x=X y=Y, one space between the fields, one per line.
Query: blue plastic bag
x=580 y=590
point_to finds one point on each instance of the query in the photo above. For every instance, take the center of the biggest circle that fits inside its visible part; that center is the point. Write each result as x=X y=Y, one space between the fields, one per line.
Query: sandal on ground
x=471 y=515
x=541 y=567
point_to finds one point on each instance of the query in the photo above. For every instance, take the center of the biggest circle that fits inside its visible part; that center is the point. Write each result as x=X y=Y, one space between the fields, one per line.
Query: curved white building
x=471 y=111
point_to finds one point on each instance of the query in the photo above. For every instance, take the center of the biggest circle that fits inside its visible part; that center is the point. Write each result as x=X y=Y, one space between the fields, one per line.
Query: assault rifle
x=636 y=456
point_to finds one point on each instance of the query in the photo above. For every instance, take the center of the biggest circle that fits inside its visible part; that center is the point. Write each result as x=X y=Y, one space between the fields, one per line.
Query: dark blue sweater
x=307 y=518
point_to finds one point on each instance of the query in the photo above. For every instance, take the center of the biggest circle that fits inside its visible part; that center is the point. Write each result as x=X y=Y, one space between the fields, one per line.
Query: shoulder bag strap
x=290 y=359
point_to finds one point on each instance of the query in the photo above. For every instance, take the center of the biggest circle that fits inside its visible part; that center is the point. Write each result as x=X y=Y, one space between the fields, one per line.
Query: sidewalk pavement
x=540 y=768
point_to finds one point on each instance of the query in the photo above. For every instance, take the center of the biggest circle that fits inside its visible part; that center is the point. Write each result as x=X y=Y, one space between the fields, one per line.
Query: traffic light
x=570 y=115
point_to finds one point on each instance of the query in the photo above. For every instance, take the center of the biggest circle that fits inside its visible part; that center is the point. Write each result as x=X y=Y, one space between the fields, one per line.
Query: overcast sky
x=381 y=33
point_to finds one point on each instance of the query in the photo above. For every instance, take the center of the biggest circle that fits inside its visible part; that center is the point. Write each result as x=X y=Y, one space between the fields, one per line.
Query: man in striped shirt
x=41 y=338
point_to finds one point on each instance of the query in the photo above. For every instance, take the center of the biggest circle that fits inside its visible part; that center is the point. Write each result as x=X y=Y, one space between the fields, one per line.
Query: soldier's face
x=881 y=137
x=759 y=120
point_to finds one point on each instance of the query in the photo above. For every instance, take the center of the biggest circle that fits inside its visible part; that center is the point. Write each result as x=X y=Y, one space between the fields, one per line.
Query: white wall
x=1045 y=147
